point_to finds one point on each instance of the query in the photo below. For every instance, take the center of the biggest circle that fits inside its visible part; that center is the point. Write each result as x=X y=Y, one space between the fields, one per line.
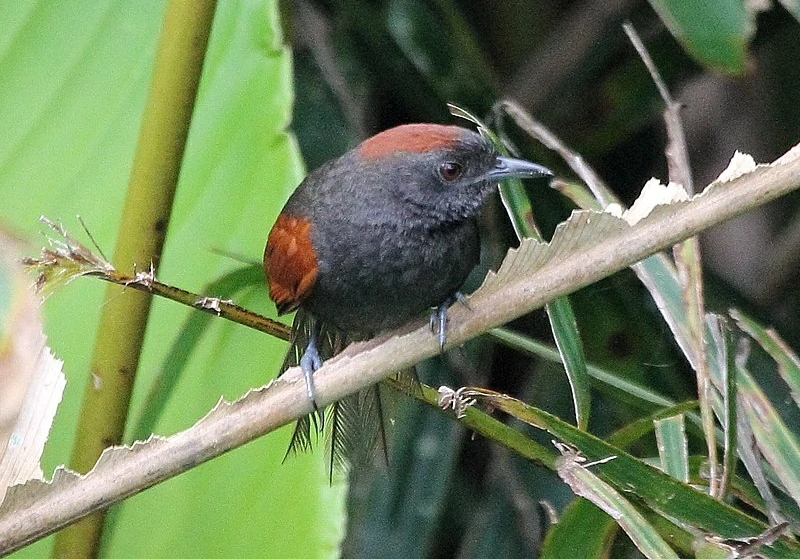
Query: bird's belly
x=392 y=278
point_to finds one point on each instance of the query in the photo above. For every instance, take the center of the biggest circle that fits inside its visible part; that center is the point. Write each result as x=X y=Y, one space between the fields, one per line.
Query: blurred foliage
x=569 y=63
x=73 y=78
x=361 y=66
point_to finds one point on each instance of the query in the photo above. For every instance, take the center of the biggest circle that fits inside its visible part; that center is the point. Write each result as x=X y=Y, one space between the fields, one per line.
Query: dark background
x=362 y=66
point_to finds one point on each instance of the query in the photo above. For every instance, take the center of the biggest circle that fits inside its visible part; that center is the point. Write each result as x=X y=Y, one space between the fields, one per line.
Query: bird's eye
x=450 y=170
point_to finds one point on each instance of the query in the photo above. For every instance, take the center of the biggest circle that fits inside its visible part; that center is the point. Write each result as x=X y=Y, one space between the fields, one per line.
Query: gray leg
x=309 y=363
x=439 y=317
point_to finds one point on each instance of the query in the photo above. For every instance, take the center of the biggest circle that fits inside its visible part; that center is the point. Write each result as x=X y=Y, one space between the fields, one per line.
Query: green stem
x=483 y=424
x=213 y=305
x=143 y=227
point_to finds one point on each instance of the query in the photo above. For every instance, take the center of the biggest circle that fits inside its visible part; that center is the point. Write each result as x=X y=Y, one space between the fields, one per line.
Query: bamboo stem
x=142 y=230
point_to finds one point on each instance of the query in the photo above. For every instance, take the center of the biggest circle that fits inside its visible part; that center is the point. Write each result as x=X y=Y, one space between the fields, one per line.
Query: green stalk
x=142 y=230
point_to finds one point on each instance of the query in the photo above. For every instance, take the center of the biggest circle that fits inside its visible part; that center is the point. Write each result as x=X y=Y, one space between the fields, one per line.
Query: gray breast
x=377 y=277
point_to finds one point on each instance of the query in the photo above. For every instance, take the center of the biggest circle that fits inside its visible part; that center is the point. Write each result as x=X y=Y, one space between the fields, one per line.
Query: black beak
x=508 y=167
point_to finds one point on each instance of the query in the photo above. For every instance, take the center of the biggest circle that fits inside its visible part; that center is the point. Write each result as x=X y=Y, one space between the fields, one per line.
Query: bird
x=381 y=235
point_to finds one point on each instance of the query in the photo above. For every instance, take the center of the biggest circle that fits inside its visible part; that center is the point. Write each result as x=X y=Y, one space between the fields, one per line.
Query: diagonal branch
x=588 y=247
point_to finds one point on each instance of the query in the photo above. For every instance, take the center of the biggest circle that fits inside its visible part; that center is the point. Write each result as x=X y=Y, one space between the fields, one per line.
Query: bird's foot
x=438 y=319
x=309 y=363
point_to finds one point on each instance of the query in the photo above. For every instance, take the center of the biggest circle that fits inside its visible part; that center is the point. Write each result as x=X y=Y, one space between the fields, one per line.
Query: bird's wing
x=290 y=262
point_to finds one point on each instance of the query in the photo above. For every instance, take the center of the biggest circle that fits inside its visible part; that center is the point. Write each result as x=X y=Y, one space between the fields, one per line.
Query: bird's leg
x=438 y=319
x=309 y=363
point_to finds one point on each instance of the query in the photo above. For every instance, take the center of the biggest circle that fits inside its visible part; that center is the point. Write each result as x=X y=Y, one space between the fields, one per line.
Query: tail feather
x=356 y=424
x=358 y=430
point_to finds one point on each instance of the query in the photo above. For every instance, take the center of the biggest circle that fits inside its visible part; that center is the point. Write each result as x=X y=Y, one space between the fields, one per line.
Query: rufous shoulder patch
x=416 y=138
x=290 y=262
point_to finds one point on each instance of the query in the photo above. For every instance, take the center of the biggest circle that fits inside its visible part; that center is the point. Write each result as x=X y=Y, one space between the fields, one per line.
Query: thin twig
x=65 y=258
x=540 y=132
x=677 y=152
x=687 y=256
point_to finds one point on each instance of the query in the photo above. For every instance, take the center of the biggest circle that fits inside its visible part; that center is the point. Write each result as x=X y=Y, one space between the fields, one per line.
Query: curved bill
x=508 y=167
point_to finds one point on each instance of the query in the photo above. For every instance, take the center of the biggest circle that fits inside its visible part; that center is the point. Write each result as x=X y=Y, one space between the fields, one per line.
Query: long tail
x=356 y=425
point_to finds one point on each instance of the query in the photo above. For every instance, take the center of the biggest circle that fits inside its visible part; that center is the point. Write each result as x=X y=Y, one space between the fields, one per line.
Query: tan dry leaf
x=740 y=164
x=29 y=374
x=20 y=458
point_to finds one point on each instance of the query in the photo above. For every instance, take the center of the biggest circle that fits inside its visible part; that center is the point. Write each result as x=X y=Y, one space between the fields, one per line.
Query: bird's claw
x=309 y=363
x=438 y=320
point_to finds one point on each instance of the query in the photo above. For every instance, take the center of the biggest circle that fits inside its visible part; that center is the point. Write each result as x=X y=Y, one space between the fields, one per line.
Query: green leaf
x=638 y=394
x=569 y=538
x=570 y=348
x=787 y=360
x=633 y=431
x=73 y=79
x=571 y=467
x=662 y=493
x=715 y=32
x=776 y=441
x=725 y=345
x=673 y=446
x=184 y=345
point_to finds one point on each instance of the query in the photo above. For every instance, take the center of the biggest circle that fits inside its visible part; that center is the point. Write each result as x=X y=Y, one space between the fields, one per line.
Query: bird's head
x=441 y=173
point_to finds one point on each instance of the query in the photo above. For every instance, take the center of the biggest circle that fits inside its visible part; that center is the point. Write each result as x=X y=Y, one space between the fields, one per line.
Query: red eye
x=450 y=170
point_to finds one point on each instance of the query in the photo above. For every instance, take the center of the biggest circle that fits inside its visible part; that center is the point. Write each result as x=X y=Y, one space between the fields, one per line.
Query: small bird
x=384 y=233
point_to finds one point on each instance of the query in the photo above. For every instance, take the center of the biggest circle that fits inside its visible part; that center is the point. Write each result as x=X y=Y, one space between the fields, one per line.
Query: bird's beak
x=508 y=167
